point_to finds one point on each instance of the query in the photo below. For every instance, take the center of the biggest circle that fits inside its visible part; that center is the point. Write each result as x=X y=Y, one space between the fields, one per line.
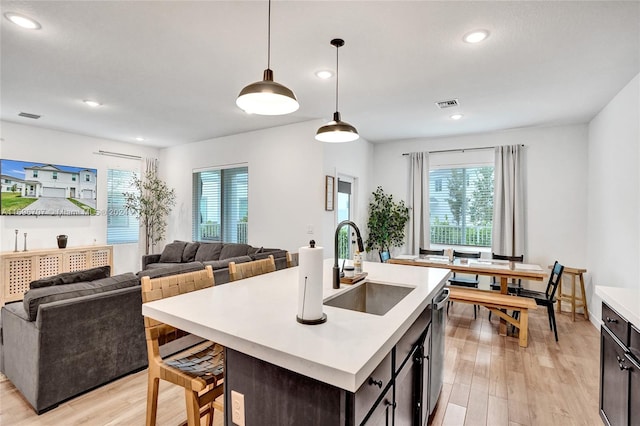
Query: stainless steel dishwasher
x=436 y=350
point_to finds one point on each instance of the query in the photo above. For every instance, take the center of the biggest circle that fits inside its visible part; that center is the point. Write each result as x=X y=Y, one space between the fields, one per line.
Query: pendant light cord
x=337 y=77
x=269 y=38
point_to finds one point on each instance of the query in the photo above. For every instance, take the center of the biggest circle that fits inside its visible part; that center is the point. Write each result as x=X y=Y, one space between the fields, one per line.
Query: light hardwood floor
x=489 y=380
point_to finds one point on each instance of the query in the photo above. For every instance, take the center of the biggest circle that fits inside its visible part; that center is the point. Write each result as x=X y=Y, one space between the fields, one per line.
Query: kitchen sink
x=370 y=297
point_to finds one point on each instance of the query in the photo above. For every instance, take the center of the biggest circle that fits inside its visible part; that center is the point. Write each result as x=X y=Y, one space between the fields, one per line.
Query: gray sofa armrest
x=74 y=345
x=149 y=258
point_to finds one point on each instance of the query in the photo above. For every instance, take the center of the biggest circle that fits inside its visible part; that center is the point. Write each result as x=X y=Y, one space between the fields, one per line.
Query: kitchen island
x=281 y=366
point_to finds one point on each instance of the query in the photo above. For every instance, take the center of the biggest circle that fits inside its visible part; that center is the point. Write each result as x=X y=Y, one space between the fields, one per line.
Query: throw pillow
x=73 y=277
x=208 y=251
x=234 y=250
x=189 y=253
x=172 y=252
x=254 y=250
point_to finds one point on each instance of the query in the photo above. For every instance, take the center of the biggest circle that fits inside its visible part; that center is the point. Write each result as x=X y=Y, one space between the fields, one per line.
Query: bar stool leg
x=584 y=298
x=573 y=298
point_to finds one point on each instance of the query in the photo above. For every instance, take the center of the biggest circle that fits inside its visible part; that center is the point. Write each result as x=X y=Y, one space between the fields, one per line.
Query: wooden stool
x=576 y=301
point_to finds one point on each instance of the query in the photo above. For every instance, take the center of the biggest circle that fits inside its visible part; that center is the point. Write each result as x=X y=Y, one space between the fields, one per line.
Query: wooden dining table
x=501 y=269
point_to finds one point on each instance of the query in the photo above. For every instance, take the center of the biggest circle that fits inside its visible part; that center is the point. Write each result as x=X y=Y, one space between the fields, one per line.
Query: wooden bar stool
x=577 y=301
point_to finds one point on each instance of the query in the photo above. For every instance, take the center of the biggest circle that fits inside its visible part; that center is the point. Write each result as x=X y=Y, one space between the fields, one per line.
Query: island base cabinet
x=382 y=415
x=276 y=396
x=634 y=391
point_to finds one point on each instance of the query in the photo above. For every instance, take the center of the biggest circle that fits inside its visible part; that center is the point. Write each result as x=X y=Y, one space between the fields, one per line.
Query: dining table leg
x=504 y=284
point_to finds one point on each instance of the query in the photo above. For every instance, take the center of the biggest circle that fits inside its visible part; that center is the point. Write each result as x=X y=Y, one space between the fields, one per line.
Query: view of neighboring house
x=11 y=184
x=52 y=181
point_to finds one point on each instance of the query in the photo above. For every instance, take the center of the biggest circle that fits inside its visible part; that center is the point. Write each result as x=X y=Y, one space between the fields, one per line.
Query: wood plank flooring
x=488 y=380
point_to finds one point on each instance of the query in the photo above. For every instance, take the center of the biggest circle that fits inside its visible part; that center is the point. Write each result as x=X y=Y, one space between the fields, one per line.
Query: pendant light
x=337 y=130
x=267 y=97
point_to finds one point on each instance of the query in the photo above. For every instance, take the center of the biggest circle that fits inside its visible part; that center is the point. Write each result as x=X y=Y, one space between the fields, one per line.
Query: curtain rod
x=118 y=154
x=458 y=150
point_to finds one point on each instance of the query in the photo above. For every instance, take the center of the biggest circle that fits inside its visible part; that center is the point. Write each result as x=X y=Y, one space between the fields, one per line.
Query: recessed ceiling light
x=324 y=74
x=457 y=116
x=476 y=36
x=139 y=139
x=23 y=21
x=92 y=104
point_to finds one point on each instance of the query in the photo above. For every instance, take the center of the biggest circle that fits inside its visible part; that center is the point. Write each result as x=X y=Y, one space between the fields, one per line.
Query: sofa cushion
x=73 y=277
x=170 y=269
x=172 y=252
x=34 y=298
x=189 y=253
x=234 y=250
x=224 y=263
x=208 y=251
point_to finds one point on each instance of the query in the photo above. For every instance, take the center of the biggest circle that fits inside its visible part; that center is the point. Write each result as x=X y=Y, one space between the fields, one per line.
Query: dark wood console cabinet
x=619 y=370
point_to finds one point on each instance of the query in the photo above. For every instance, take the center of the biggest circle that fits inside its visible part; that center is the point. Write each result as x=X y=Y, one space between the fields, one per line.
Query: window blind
x=122 y=228
x=220 y=205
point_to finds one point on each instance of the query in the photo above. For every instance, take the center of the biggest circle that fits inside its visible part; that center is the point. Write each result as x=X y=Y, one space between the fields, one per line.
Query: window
x=461 y=205
x=35 y=173
x=74 y=177
x=121 y=227
x=54 y=175
x=221 y=205
x=87 y=178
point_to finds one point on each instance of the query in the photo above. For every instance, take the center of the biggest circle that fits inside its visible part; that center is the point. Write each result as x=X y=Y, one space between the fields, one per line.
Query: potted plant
x=387 y=221
x=151 y=203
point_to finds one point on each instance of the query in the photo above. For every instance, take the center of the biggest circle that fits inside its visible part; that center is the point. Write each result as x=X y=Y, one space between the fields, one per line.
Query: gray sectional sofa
x=182 y=256
x=72 y=333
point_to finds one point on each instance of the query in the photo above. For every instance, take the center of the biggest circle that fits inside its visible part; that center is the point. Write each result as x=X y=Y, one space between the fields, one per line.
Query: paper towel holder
x=317 y=321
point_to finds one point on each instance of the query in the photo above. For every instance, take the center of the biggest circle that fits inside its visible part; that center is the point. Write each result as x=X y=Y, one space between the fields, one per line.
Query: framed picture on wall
x=328 y=195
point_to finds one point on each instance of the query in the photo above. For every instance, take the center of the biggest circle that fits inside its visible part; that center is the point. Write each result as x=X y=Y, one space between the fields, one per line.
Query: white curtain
x=508 y=236
x=419 y=234
x=151 y=165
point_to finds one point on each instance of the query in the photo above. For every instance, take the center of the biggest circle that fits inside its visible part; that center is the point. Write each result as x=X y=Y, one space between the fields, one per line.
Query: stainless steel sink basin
x=370 y=297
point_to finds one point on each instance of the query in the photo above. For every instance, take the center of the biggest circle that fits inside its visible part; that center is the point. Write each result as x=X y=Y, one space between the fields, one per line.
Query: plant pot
x=62 y=241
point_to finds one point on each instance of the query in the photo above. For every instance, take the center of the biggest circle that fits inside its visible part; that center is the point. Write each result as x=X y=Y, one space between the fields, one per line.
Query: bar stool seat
x=576 y=301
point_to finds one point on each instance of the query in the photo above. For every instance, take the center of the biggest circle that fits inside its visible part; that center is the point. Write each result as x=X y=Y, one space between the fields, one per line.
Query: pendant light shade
x=337 y=131
x=267 y=97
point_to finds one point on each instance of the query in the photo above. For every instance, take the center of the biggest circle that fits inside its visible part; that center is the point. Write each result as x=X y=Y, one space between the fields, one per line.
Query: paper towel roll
x=310 y=261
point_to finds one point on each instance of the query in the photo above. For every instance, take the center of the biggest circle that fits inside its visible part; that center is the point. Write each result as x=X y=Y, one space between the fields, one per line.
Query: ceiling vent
x=27 y=115
x=447 y=104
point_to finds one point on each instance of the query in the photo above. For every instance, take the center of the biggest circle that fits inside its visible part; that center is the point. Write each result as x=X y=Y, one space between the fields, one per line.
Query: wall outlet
x=309 y=229
x=237 y=408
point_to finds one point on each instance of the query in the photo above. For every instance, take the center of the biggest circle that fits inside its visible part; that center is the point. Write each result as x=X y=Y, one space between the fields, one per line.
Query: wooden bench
x=497 y=303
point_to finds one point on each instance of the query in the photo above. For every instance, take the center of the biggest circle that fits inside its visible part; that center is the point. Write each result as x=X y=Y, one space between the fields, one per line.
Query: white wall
x=556 y=160
x=286 y=182
x=28 y=143
x=350 y=159
x=614 y=206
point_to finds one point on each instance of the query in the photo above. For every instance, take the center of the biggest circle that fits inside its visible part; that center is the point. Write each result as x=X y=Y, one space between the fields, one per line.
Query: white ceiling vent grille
x=447 y=104
x=28 y=115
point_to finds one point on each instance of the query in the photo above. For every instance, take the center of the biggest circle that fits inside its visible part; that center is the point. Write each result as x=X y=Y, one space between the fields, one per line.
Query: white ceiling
x=170 y=71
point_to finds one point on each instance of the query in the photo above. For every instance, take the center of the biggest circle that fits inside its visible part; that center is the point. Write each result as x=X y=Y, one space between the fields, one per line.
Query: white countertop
x=625 y=301
x=257 y=316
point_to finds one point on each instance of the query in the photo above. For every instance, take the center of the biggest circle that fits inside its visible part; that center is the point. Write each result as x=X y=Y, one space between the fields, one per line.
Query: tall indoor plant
x=387 y=221
x=151 y=203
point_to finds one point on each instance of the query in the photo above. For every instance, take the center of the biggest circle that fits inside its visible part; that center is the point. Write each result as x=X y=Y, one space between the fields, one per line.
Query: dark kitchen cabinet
x=613 y=380
x=619 y=370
